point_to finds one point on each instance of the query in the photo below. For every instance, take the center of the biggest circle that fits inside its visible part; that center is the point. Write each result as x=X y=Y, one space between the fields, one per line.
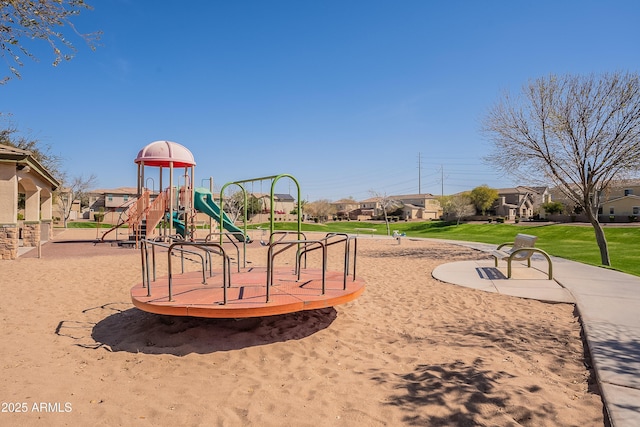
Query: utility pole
x=419 y=173
x=442 y=180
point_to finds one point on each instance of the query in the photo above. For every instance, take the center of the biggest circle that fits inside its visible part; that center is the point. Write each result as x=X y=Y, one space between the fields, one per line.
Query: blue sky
x=346 y=95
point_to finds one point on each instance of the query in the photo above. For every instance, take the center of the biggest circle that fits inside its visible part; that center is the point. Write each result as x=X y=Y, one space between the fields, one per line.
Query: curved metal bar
x=226 y=278
x=244 y=196
x=275 y=179
x=308 y=246
x=536 y=250
x=271 y=254
x=343 y=238
x=228 y=235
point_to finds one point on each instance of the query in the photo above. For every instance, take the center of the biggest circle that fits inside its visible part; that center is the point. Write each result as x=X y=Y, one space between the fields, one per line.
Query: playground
x=426 y=352
x=209 y=276
x=423 y=350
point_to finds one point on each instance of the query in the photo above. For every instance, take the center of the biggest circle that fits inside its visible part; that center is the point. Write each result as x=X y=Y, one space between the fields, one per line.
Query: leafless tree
x=75 y=189
x=22 y=20
x=388 y=204
x=234 y=205
x=40 y=151
x=580 y=133
x=320 y=209
x=457 y=206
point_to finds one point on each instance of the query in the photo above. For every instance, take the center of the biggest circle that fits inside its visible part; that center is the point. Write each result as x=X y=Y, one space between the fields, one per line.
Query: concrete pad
x=482 y=275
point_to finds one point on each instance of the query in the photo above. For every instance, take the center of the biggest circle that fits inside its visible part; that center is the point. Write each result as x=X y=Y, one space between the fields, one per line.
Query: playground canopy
x=165 y=154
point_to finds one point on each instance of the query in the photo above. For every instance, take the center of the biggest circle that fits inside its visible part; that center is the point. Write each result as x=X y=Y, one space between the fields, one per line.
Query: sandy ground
x=410 y=351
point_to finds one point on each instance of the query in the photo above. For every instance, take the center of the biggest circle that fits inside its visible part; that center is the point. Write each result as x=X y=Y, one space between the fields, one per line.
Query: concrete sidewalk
x=609 y=305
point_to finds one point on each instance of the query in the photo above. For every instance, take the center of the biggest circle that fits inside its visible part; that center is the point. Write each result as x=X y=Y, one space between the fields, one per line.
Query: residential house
x=412 y=207
x=112 y=202
x=620 y=202
x=419 y=206
x=521 y=202
x=368 y=209
x=283 y=206
x=344 y=207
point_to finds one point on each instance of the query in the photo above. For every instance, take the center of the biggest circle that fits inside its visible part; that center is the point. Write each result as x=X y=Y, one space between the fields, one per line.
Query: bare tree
x=234 y=205
x=579 y=132
x=76 y=189
x=39 y=19
x=387 y=204
x=457 y=206
x=321 y=209
x=41 y=152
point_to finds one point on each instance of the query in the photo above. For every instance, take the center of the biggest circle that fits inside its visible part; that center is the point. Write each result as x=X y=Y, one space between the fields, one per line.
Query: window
x=611 y=211
x=109 y=197
x=628 y=192
x=636 y=210
x=125 y=197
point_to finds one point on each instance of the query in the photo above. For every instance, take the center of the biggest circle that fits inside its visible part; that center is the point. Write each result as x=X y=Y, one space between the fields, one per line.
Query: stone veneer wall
x=8 y=241
x=46 y=229
x=31 y=234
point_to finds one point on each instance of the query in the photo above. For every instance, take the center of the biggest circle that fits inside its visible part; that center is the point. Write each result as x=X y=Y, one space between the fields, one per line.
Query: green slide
x=178 y=224
x=204 y=203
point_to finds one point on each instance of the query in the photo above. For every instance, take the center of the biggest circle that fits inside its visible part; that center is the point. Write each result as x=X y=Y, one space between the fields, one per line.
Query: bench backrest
x=523 y=241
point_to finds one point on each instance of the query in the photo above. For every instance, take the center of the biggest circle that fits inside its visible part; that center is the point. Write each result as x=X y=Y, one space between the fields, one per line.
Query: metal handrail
x=228 y=235
x=226 y=265
x=347 y=253
x=290 y=243
x=283 y=235
x=178 y=238
x=278 y=244
x=207 y=247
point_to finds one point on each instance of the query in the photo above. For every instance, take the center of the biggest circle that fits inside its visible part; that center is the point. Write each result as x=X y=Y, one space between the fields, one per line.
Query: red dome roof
x=162 y=153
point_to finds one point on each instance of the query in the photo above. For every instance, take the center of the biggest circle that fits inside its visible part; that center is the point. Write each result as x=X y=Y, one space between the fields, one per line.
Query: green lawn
x=574 y=242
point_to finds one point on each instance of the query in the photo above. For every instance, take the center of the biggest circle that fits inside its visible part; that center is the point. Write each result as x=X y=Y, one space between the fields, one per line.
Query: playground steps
x=142 y=234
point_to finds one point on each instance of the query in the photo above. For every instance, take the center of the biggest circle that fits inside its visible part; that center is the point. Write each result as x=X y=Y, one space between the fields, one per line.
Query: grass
x=573 y=242
x=88 y=224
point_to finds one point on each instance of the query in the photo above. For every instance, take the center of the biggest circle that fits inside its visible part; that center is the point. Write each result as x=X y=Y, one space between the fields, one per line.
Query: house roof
x=345 y=202
x=7 y=151
x=283 y=197
x=10 y=154
x=413 y=196
x=629 y=196
x=119 y=190
x=370 y=200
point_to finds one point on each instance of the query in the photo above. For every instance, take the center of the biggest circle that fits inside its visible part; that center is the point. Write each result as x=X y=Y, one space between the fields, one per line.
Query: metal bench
x=521 y=249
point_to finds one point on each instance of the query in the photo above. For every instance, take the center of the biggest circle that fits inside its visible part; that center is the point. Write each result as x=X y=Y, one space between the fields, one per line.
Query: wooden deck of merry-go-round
x=237 y=291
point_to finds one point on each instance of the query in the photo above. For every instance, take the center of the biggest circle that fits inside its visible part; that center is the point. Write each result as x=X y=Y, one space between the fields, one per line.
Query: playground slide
x=204 y=203
x=178 y=224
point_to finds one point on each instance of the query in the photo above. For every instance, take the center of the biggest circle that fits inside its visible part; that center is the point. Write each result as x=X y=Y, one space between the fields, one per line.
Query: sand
x=410 y=351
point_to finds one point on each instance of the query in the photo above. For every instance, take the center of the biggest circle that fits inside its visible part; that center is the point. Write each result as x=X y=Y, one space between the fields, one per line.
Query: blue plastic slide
x=204 y=203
